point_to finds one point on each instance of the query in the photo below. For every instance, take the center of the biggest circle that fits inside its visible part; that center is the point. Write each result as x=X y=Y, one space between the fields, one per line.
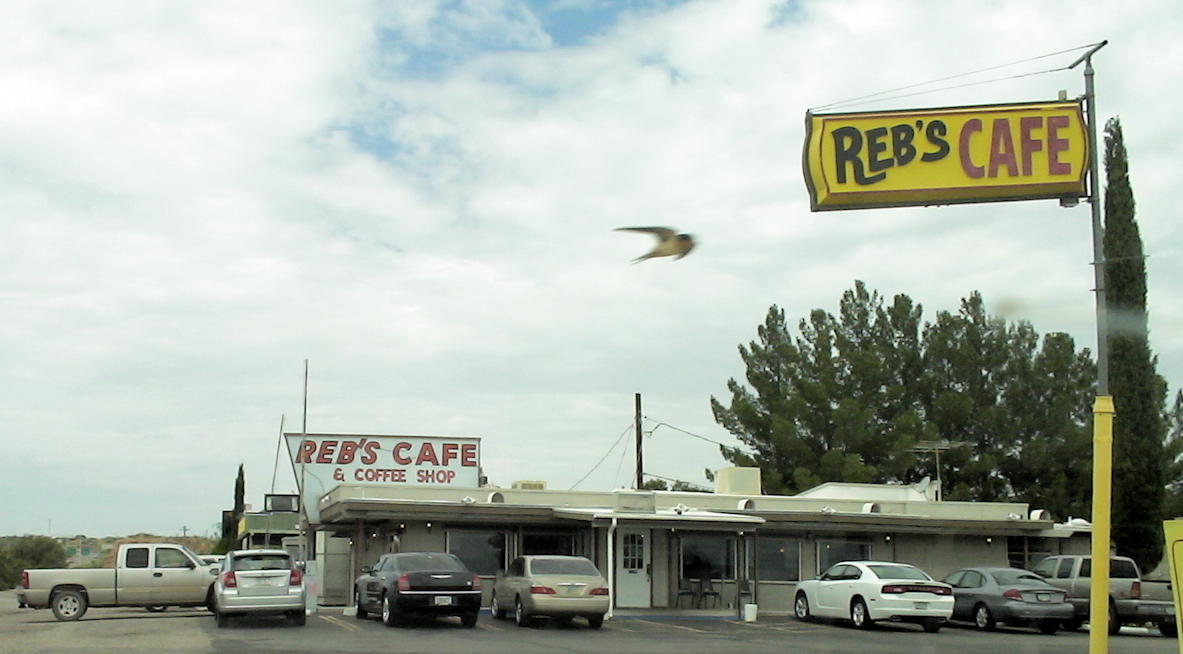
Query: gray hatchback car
x=259 y=582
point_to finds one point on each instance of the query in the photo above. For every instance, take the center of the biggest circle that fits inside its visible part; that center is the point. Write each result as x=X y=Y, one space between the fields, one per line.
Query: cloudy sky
x=419 y=198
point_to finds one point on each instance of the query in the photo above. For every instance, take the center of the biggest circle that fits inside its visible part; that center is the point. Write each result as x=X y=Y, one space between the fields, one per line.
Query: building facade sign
x=986 y=153
x=322 y=461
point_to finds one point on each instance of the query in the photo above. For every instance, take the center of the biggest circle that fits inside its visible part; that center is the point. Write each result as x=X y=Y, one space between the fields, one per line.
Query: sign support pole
x=1103 y=408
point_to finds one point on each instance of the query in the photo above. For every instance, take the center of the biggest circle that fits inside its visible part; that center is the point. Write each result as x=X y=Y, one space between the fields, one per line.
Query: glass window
x=263 y=562
x=482 y=551
x=427 y=561
x=708 y=557
x=563 y=567
x=832 y=551
x=1006 y=577
x=779 y=559
x=955 y=578
x=899 y=572
x=137 y=557
x=1122 y=569
x=1065 y=569
x=170 y=558
x=548 y=544
x=1046 y=568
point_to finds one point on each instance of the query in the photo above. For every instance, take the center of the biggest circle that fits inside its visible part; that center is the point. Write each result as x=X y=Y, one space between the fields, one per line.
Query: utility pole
x=640 y=465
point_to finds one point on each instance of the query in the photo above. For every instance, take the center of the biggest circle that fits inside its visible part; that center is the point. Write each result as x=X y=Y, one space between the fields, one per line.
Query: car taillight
x=476 y=581
x=404 y=582
x=890 y=590
x=599 y=591
x=1013 y=594
x=229 y=580
x=541 y=590
x=1136 y=590
x=894 y=589
x=25 y=579
x=297 y=577
x=942 y=590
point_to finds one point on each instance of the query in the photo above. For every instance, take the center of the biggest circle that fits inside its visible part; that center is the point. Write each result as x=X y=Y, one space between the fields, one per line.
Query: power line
x=688 y=433
x=597 y=465
x=959 y=75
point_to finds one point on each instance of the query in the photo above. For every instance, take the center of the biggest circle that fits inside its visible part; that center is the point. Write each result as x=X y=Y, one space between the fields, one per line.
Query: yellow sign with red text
x=986 y=153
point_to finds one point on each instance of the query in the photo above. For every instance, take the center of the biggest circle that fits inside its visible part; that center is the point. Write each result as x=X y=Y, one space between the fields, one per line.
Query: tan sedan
x=559 y=587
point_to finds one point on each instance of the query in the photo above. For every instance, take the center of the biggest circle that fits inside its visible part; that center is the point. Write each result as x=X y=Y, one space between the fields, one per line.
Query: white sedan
x=866 y=591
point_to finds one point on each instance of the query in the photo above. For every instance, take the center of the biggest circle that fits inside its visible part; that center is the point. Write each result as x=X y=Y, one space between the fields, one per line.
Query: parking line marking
x=340 y=623
x=674 y=626
x=486 y=627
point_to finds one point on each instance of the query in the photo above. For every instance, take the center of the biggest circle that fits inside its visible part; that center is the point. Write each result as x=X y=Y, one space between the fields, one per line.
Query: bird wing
x=660 y=232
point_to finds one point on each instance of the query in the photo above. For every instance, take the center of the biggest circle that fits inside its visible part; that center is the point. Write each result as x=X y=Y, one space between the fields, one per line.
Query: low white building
x=666 y=549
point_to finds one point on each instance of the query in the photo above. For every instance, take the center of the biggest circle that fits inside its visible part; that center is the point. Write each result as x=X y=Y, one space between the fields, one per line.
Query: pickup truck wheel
x=69 y=605
x=1168 y=629
x=595 y=621
x=297 y=618
x=1073 y=623
x=1114 y=621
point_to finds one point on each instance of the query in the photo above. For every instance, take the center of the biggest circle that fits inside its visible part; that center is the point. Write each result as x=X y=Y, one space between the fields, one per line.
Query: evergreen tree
x=1173 y=456
x=1139 y=394
x=852 y=395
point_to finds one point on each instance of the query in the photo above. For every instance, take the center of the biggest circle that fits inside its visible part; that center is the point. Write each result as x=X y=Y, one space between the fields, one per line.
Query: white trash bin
x=749 y=612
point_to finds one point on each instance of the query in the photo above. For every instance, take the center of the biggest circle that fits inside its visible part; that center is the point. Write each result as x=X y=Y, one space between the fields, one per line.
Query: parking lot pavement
x=193 y=631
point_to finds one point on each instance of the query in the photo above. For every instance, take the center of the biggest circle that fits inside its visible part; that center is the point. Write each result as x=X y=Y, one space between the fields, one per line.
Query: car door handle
x=157 y=574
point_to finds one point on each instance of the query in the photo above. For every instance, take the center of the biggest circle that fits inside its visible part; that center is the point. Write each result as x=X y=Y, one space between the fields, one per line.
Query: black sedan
x=423 y=583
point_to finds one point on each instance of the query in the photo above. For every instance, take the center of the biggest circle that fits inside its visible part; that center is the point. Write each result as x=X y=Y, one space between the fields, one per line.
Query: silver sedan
x=987 y=596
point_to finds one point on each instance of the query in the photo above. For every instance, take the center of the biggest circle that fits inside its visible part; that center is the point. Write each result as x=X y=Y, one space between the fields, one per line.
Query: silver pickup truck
x=151 y=575
x=1131 y=600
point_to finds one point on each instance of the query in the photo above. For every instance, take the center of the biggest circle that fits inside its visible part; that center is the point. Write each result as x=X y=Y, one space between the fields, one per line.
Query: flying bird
x=669 y=243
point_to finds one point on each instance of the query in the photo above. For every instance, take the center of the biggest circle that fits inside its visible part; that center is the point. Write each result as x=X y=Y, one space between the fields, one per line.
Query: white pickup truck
x=151 y=575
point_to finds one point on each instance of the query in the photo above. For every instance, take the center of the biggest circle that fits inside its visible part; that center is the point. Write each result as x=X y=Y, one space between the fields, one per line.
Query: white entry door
x=632 y=568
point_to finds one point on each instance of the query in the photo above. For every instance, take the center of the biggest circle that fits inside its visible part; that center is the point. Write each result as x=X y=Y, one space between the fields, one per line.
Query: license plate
x=443 y=600
x=920 y=606
x=1043 y=597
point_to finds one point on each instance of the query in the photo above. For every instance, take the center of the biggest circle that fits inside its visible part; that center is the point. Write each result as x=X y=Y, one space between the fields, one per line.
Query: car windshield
x=898 y=572
x=1004 y=577
x=563 y=567
x=429 y=562
x=262 y=562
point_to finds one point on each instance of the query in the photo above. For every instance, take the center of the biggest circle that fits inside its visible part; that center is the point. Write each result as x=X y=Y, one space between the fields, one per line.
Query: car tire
x=595 y=621
x=495 y=610
x=519 y=614
x=933 y=625
x=1114 y=621
x=298 y=618
x=69 y=605
x=1073 y=623
x=801 y=607
x=361 y=611
x=468 y=619
x=220 y=618
x=859 y=614
x=159 y=608
x=1048 y=627
x=983 y=618
x=390 y=615
x=1168 y=629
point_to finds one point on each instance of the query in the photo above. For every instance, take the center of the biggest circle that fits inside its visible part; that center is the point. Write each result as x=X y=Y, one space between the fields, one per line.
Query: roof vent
x=871 y=507
x=747 y=504
x=496 y=498
x=1041 y=514
x=828 y=510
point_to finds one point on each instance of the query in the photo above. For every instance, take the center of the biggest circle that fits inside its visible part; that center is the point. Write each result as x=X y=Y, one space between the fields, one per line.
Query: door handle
x=157 y=574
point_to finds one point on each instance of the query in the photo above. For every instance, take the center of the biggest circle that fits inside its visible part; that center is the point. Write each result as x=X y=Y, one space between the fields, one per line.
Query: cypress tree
x=1139 y=394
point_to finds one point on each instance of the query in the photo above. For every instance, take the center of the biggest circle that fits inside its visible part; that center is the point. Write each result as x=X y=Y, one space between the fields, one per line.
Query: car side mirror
x=190 y=565
x=366 y=569
x=213 y=572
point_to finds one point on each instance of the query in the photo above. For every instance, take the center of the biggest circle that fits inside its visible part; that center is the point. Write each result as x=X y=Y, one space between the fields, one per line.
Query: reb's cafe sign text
x=986 y=153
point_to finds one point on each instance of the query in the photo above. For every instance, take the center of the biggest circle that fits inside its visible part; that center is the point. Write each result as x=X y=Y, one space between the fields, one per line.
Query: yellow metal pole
x=1102 y=494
